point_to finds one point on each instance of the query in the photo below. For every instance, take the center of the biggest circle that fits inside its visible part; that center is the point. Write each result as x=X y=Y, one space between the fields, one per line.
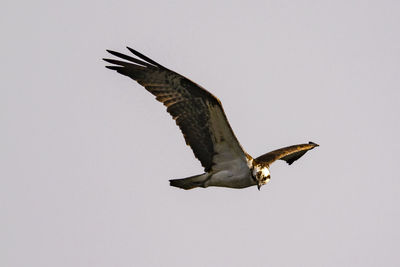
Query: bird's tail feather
x=190 y=182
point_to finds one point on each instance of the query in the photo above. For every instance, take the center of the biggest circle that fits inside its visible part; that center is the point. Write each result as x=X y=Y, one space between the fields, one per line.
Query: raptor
x=204 y=125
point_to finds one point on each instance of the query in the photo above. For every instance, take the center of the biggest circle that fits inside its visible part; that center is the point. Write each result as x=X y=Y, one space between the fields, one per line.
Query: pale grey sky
x=86 y=153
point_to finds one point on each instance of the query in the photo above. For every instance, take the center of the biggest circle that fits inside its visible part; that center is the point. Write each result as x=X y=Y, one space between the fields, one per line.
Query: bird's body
x=203 y=122
x=232 y=173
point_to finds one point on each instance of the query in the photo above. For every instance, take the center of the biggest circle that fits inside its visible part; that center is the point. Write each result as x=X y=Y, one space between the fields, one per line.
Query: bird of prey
x=204 y=125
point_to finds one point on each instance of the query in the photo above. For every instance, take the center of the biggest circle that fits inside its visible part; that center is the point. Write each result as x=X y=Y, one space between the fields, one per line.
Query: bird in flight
x=204 y=125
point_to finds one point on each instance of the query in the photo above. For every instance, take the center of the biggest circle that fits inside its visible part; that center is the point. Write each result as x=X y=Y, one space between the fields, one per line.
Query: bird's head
x=261 y=175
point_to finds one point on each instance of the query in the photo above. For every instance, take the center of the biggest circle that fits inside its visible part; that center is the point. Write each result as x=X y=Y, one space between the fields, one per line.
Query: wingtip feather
x=114 y=67
x=314 y=144
x=140 y=55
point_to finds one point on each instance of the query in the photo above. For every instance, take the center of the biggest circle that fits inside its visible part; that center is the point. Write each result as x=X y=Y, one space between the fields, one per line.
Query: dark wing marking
x=197 y=112
x=288 y=154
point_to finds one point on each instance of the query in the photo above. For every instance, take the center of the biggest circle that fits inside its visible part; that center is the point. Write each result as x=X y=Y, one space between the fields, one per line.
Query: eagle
x=204 y=125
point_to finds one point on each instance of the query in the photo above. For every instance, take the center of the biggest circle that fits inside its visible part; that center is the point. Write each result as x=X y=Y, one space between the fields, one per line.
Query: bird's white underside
x=230 y=167
x=229 y=170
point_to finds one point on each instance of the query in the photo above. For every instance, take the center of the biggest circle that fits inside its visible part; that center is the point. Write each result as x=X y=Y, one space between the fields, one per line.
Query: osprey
x=204 y=125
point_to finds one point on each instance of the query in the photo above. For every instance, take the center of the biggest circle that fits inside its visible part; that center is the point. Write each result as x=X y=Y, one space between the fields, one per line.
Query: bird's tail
x=190 y=182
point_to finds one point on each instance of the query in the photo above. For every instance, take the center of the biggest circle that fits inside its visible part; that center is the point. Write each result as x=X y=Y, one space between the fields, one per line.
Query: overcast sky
x=86 y=154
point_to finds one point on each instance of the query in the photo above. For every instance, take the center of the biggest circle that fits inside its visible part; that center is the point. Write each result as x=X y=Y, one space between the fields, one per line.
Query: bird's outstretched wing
x=197 y=112
x=288 y=154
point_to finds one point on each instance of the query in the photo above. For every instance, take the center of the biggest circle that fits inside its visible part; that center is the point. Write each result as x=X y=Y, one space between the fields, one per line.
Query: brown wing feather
x=189 y=104
x=288 y=154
